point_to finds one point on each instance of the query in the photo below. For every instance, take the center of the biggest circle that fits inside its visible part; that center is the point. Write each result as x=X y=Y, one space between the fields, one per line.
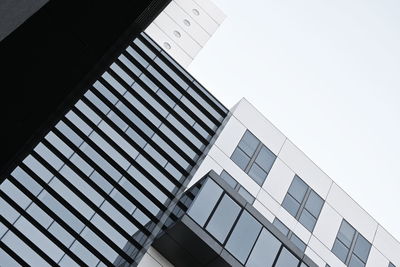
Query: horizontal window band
x=12 y=254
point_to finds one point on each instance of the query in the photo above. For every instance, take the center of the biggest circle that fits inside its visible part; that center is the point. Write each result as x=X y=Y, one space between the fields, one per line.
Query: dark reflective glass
x=240 y=158
x=298 y=189
x=314 y=204
x=244 y=193
x=307 y=220
x=346 y=233
x=391 y=265
x=265 y=250
x=248 y=143
x=223 y=218
x=205 y=201
x=243 y=236
x=362 y=248
x=340 y=250
x=291 y=205
x=286 y=259
x=265 y=159
x=281 y=227
x=257 y=174
x=228 y=178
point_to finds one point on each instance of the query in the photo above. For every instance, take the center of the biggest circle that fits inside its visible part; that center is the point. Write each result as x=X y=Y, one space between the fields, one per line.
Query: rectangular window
x=237 y=187
x=253 y=157
x=289 y=233
x=350 y=246
x=303 y=203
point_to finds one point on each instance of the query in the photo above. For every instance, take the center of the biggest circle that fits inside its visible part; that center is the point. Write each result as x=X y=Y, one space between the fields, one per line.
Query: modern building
x=143 y=166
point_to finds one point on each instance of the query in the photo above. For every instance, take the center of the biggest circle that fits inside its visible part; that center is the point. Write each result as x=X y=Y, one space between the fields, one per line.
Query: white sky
x=327 y=74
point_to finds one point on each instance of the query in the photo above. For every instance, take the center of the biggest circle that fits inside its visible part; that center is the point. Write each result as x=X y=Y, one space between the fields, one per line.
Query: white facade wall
x=290 y=161
x=184 y=27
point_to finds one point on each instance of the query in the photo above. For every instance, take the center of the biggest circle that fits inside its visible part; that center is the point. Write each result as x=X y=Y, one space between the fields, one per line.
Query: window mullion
x=303 y=203
x=353 y=243
x=253 y=158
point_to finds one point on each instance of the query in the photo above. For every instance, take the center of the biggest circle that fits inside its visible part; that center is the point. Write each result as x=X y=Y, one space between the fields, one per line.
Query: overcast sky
x=327 y=74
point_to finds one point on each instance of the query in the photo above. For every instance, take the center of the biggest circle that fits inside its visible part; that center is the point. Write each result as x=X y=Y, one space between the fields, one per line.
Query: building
x=143 y=166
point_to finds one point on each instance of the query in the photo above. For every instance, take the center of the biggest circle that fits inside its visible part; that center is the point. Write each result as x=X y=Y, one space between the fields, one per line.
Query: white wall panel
x=207 y=165
x=263 y=129
x=376 y=259
x=264 y=211
x=230 y=136
x=387 y=245
x=352 y=212
x=327 y=225
x=278 y=181
x=212 y=10
x=325 y=253
x=305 y=168
x=264 y=198
x=314 y=256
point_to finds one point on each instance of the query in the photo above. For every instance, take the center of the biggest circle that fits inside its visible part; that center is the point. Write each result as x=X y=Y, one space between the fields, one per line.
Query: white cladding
x=184 y=27
x=290 y=161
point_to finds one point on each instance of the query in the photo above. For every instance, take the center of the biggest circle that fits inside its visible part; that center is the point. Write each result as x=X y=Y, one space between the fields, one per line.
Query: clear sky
x=327 y=74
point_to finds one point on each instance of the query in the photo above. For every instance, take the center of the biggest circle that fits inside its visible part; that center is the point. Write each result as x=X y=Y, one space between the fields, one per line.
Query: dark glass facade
x=97 y=186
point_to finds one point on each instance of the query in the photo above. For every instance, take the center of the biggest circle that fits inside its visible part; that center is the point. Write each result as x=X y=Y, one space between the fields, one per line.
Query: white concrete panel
x=305 y=168
x=313 y=256
x=158 y=257
x=352 y=212
x=324 y=253
x=204 y=19
x=207 y=165
x=264 y=211
x=376 y=259
x=278 y=181
x=387 y=245
x=174 y=50
x=195 y=31
x=262 y=128
x=227 y=164
x=327 y=225
x=301 y=232
x=230 y=136
x=177 y=34
x=212 y=10
x=286 y=218
x=265 y=199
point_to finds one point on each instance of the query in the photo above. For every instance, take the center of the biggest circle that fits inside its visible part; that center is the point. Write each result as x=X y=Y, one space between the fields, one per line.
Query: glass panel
x=298 y=189
x=15 y=194
x=265 y=159
x=130 y=65
x=265 y=250
x=121 y=73
x=223 y=218
x=362 y=248
x=49 y=156
x=307 y=220
x=105 y=92
x=291 y=205
x=154 y=103
x=240 y=158
x=178 y=141
x=346 y=233
x=136 y=56
x=281 y=227
x=205 y=202
x=144 y=48
x=243 y=237
x=83 y=253
x=355 y=262
x=71 y=135
x=340 y=250
x=248 y=143
x=39 y=215
x=298 y=242
x=314 y=204
x=7 y=260
x=257 y=174
x=171 y=73
x=116 y=85
x=228 y=178
x=78 y=122
x=7 y=211
x=286 y=259
x=38 y=168
x=61 y=234
x=30 y=184
x=109 y=231
x=244 y=193
x=97 y=102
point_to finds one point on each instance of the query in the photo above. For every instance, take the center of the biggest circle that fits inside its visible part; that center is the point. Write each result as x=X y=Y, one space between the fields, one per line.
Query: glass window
x=121 y=73
x=307 y=220
x=136 y=56
x=7 y=260
x=61 y=234
x=286 y=259
x=97 y=102
x=185 y=131
x=144 y=48
x=265 y=250
x=7 y=211
x=298 y=189
x=391 y=265
x=39 y=215
x=130 y=65
x=223 y=218
x=281 y=227
x=298 y=242
x=109 y=231
x=356 y=262
x=314 y=204
x=178 y=141
x=240 y=158
x=171 y=73
x=243 y=236
x=49 y=156
x=340 y=250
x=79 y=123
x=249 y=143
x=265 y=159
x=88 y=112
x=246 y=195
x=291 y=205
x=257 y=174
x=15 y=194
x=154 y=103
x=205 y=202
x=168 y=86
x=111 y=81
x=120 y=219
x=346 y=233
x=71 y=135
x=59 y=144
x=30 y=184
x=362 y=248
x=157 y=174
x=38 y=168
x=83 y=253
x=105 y=92
x=228 y=178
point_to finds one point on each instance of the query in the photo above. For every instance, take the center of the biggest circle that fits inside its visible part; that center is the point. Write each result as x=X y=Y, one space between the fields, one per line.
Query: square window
x=355 y=262
x=265 y=159
x=346 y=233
x=291 y=205
x=257 y=174
x=298 y=242
x=314 y=204
x=362 y=248
x=240 y=158
x=249 y=143
x=298 y=189
x=340 y=250
x=307 y=220
x=281 y=227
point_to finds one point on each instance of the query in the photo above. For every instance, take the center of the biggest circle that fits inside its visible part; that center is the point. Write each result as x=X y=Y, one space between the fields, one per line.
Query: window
x=303 y=203
x=237 y=187
x=253 y=157
x=350 y=246
x=292 y=237
x=391 y=265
